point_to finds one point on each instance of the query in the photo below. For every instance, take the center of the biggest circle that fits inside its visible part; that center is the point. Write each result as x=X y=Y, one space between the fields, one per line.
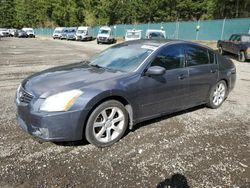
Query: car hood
x=63 y=78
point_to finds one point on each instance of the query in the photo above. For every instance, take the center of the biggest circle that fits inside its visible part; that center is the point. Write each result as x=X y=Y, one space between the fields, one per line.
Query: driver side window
x=171 y=57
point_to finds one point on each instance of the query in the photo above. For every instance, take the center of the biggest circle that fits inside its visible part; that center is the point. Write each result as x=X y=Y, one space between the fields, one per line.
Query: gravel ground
x=199 y=147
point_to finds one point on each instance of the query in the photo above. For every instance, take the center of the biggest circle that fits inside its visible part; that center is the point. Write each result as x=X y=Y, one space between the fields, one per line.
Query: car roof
x=242 y=34
x=160 y=42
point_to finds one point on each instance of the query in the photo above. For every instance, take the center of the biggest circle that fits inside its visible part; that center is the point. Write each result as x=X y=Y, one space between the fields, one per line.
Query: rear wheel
x=217 y=95
x=241 y=56
x=106 y=124
x=221 y=51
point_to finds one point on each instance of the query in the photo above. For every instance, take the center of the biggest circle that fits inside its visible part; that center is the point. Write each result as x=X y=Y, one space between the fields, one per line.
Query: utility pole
x=237 y=8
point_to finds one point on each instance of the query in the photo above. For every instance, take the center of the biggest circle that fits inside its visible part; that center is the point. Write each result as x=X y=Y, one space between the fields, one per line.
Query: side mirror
x=155 y=70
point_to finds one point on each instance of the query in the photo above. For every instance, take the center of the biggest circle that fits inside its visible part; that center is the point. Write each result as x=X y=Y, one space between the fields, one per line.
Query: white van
x=30 y=32
x=105 y=35
x=57 y=32
x=155 y=34
x=133 y=35
x=84 y=33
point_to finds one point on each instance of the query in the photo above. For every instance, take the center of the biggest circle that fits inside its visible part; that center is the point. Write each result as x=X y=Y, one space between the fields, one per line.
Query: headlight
x=61 y=101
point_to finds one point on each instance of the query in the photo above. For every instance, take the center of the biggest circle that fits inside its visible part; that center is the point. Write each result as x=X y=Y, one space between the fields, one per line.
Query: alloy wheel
x=219 y=94
x=109 y=124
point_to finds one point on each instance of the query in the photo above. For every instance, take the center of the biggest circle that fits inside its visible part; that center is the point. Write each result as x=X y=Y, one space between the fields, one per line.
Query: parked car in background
x=30 y=32
x=57 y=32
x=133 y=35
x=21 y=34
x=155 y=34
x=105 y=35
x=4 y=32
x=84 y=33
x=64 y=33
x=238 y=44
x=71 y=35
x=12 y=32
x=126 y=84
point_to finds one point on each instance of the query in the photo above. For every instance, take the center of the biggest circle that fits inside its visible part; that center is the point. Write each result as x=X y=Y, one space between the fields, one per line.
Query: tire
x=221 y=51
x=109 y=127
x=241 y=56
x=217 y=95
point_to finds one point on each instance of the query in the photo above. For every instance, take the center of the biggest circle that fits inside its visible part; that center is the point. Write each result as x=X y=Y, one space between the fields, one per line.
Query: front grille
x=103 y=38
x=24 y=96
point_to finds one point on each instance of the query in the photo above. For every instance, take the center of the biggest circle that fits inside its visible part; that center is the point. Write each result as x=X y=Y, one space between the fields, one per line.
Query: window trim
x=186 y=55
x=167 y=46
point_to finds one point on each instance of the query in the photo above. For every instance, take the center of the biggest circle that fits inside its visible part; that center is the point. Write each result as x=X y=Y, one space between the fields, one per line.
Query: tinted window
x=237 y=38
x=196 y=56
x=212 y=57
x=171 y=57
x=232 y=37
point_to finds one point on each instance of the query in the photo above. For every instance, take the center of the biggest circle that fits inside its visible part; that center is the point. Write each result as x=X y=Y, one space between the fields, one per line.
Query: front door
x=168 y=92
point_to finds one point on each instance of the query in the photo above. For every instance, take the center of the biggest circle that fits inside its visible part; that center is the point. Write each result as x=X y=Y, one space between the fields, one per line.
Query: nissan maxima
x=99 y=99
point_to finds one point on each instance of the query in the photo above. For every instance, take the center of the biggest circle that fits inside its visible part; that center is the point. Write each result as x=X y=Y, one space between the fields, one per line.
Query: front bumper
x=79 y=37
x=104 y=40
x=59 y=126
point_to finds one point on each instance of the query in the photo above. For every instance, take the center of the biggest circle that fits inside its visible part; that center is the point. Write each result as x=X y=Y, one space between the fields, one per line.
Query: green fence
x=200 y=30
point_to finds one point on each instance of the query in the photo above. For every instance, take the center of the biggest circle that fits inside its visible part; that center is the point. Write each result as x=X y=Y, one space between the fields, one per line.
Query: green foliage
x=51 y=13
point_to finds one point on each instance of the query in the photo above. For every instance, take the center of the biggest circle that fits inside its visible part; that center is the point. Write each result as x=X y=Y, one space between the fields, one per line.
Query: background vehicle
x=57 y=32
x=105 y=35
x=12 y=32
x=155 y=34
x=84 y=33
x=4 y=32
x=71 y=35
x=238 y=44
x=64 y=33
x=30 y=32
x=126 y=84
x=21 y=34
x=133 y=35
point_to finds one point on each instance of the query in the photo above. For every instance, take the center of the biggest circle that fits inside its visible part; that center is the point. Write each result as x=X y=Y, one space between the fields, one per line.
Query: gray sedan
x=131 y=82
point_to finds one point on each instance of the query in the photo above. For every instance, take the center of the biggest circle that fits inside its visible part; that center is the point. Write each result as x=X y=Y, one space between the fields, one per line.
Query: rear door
x=203 y=72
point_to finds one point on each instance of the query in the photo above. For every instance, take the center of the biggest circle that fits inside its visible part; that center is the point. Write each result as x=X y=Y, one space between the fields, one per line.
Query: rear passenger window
x=196 y=56
x=212 y=57
x=171 y=57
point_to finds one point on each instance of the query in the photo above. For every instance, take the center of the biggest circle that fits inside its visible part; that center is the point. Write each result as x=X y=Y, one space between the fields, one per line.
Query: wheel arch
x=118 y=98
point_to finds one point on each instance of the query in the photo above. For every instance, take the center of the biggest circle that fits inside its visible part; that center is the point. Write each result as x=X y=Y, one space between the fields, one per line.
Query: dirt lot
x=205 y=147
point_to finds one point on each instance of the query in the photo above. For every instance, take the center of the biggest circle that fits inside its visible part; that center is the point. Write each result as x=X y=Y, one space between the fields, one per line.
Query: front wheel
x=106 y=124
x=241 y=56
x=217 y=95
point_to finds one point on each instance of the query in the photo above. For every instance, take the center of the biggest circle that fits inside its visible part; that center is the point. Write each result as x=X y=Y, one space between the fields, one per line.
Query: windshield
x=103 y=31
x=156 y=35
x=81 y=31
x=125 y=58
x=57 y=31
x=134 y=35
x=245 y=38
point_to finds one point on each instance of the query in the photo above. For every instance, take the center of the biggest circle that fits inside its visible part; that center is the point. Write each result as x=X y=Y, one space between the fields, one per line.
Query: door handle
x=181 y=77
x=213 y=70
